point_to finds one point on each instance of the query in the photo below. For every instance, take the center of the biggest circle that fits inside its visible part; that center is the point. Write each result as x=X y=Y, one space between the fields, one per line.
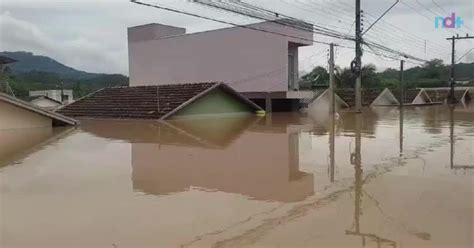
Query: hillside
x=28 y=62
x=34 y=72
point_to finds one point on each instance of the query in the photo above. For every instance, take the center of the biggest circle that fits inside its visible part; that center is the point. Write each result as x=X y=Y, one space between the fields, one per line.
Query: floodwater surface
x=383 y=178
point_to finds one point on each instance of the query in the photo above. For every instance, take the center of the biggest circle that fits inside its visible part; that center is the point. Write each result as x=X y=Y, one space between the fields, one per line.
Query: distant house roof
x=6 y=60
x=319 y=93
x=410 y=94
x=368 y=95
x=32 y=98
x=442 y=94
x=57 y=118
x=145 y=102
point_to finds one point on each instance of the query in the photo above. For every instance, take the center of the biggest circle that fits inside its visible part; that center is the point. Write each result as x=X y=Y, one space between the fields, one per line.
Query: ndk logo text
x=448 y=22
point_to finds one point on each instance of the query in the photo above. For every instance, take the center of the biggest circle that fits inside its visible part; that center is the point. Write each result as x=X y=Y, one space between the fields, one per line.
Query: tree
x=344 y=78
x=370 y=78
x=317 y=77
x=434 y=69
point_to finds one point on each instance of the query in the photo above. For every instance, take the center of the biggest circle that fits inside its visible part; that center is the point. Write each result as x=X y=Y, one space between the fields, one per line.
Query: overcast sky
x=91 y=35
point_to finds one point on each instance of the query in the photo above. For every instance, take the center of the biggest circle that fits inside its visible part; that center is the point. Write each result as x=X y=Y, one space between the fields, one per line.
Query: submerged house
x=441 y=95
x=162 y=102
x=321 y=100
x=413 y=97
x=16 y=114
x=370 y=97
x=262 y=66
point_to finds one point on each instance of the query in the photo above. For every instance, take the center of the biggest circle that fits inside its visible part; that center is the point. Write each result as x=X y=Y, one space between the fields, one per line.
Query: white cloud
x=91 y=34
x=79 y=52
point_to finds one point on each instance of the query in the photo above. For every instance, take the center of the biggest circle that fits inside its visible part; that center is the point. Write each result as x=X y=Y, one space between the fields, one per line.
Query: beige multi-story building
x=259 y=60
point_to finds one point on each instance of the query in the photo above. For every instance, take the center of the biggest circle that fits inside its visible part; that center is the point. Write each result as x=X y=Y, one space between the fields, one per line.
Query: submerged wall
x=216 y=102
x=13 y=117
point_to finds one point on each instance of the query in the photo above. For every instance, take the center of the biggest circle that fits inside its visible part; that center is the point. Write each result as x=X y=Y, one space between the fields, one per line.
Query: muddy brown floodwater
x=284 y=180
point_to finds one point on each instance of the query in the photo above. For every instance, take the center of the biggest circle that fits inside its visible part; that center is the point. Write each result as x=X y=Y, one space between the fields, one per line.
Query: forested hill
x=34 y=72
x=28 y=62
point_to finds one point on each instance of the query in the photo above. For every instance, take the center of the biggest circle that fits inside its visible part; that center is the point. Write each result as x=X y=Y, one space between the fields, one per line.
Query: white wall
x=54 y=94
x=45 y=103
x=250 y=60
x=13 y=117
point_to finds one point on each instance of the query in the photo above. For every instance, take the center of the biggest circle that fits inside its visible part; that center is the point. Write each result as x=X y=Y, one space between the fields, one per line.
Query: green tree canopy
x=317 y=77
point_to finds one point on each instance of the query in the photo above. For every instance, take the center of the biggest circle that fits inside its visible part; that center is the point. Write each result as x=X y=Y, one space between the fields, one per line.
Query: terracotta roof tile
x=410 y=94
x=368 y=95
x=139 y=102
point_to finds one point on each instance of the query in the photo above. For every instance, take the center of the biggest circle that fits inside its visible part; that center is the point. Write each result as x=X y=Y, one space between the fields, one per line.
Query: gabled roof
x=385 y=98
x=61 y=119
x=145 y=102
x=442 y=94
x=32 y=98
x=410 y=94
x=368 y=95
x=322 y=92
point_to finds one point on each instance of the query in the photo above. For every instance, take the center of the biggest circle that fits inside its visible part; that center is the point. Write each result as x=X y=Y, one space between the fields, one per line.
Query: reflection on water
x=16 y=143
x=382 y=178
x=245 y=156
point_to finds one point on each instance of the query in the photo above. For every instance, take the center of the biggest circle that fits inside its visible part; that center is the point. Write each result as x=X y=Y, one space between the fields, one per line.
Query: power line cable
x=464 y=55
x=399 y=31
x=221 y=21
x=267 y=15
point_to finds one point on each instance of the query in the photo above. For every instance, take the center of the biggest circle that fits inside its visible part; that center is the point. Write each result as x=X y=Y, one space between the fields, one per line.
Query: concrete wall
x=54 y=94
x=249 y=60
x=14 y=142
x=13 y=117
x=45 y=103
x=216 y=102
x=152 y=31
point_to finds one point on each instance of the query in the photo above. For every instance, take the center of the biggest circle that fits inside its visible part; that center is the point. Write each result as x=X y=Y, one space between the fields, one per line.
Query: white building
x=55 y=95
x=45 y=102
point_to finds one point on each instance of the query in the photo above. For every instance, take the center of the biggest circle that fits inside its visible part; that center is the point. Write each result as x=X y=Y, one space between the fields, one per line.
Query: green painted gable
x=216 y=102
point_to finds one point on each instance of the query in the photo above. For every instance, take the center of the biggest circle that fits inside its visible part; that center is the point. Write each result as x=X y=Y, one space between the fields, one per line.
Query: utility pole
x=332 y=104
x=402 y=84
x=402 y=102
x=358 y=59
x=332 y=112
x=452 y=76
x=356 y=64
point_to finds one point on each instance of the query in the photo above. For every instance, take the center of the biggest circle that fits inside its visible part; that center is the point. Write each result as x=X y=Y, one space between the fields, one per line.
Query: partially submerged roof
x=320 y=93
x=368 y=95
x=56 y=117
x=6 y=60
x=409 y=96
x=442 y=94
x=146 y=102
